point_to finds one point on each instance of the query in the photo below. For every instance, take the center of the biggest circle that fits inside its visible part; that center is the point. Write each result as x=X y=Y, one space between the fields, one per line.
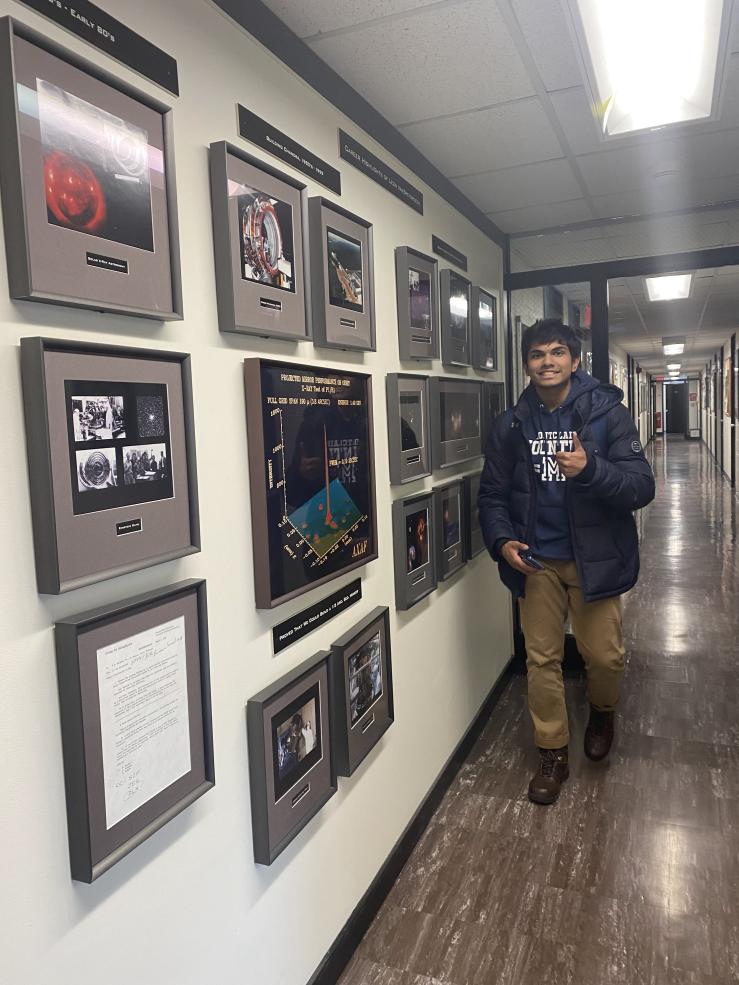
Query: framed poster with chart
x=414 y=549
x=484 y=329
x=258 y=242
x=454 y=292
x=87 y=182
x=416 y=285
x=312 y=475
x=137 y=739
x=111 y=459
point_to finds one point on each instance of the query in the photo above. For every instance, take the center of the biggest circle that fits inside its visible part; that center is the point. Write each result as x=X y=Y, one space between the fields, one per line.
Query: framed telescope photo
x=456 y=420
x=455 y=318
x=342 y=303
x=312 y=475
x=484 y=315
x=414 y=549
x=360 y=674
x=493 y=403
x=291 y=765
x=137 y=738
x=450 y=522
x=111 y=459
x=416 y=284
x=87 y=182
x=473 y=539
x=258 y=242
x=408 y=427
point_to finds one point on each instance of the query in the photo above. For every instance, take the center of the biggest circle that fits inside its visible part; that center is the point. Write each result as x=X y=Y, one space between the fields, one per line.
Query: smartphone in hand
x=528 y=558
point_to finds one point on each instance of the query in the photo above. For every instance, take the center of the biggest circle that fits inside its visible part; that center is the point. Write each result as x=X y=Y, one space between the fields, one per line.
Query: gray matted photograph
x=484 y=329
x=454 y=293
x=408 y=427
x=87 y=183
x=456 y=420
x=449 y=511
x=473 y=539
x=414 y=549
x=417 y=290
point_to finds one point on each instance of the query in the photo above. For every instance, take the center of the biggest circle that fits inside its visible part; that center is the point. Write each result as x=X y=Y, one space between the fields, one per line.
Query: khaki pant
x=597 y=629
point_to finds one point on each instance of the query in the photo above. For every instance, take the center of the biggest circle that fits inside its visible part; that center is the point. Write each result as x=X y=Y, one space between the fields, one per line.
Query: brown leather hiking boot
x=599 y=734
x=548 y=779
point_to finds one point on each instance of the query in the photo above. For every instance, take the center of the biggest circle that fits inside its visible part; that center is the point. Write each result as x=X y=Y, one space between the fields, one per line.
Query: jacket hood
x=588 y=397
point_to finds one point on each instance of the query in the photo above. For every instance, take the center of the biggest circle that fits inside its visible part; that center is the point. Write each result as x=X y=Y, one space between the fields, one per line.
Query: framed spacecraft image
x=416 y=282
x=484 y=329
x=454 y=291
x=342 y=303
x=111 y=459
x=312 y=475
x=291 y=765
x=450 y=523
x=456 y=420
x=258 y=243
x=493 y=403
x=135 y=707
x=361 y=688
x=408 y=427
x=87 y=183
x=474 y=543
x=414 y=549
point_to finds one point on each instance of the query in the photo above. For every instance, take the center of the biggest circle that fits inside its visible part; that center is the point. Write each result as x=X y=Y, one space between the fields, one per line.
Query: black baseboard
x=342 y=949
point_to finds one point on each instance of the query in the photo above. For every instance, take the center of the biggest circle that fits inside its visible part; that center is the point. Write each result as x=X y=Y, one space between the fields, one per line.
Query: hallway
x=632 y=878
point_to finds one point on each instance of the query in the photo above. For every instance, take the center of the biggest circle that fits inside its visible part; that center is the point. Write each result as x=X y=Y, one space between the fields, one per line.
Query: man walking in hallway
x=564 y=471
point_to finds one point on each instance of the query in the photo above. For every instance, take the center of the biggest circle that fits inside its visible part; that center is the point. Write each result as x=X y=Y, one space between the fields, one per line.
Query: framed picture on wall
x=87 y=182
x=553 y=303
x=484 y=317
x=361 y=680
x=727 y=386
x=456 y=420
x=291 y=765
x=493 y=403
x=258 y=242
x=450 y=524
x=342 y=302
x=111 y=459
x=454 y=292
x=134 y=699
x=312 y=475
x=408 y=427
x=416 y=285
x=414 y=549
x=474 y=543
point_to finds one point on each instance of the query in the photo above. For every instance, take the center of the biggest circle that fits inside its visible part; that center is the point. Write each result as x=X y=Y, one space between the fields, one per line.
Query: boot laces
x=548 y=762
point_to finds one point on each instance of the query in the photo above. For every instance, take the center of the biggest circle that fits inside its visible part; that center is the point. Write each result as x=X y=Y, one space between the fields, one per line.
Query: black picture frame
x=362 y=706
x=108 y=241
x=474 y=542
x=414 y=562
x=454 y=292
x=257 y=212
x=118 y=517
x=408 y=427
x=308 y=781
x=341 y=295
x=291 y=498
x=417 y=277
x=484 y=329
x=493 y=403
x=94 y=845
x=456 y=420
x=449 y=512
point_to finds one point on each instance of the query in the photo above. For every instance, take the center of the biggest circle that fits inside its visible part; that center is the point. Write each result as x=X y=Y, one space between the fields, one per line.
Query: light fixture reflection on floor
x=669 y=287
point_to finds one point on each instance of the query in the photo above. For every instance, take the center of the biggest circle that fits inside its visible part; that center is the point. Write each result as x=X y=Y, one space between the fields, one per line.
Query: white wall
x=190 y=906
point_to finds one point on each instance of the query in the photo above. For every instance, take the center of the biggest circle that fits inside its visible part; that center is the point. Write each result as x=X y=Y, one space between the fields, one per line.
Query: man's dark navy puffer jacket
x=616 y=481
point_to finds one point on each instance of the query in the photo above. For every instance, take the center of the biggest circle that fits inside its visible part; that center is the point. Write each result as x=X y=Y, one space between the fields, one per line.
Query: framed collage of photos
x=361 y=679
x=449 y=511
x=342 y=302
x=473 y=539
x=484 y=329
x=111 y=459
x=87 y=182
x=454 y=291
x=258 y=242
x=312 y=475
x=414 y=549
x=127 y=774
x=408 y=427
x=456 y=420
x=291 y=766
x=416 y=285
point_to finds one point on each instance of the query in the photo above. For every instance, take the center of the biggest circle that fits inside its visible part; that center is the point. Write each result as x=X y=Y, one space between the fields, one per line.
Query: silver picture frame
x=417 y=293
x=409 y=440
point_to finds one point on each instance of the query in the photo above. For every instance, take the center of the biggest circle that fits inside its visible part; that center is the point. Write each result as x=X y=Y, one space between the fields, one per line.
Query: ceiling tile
x=517 y=188
x=667 y=196
x=318 y=16
x=545 y=28
x=669 y=235
x=542 y=216
x=575 y=114
x=559 y=251
x=440 y=60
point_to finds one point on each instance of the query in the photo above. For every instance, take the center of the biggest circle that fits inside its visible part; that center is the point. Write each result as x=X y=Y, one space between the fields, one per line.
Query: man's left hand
x=571 y=463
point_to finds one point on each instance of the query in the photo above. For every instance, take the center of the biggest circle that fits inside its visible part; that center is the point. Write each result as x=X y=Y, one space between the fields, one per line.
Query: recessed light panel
x=672 y=287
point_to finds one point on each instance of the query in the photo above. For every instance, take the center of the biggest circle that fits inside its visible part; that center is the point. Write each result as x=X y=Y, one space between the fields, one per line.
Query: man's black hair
x=549 y=330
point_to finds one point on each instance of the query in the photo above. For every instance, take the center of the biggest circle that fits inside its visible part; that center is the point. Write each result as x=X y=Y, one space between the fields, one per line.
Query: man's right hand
x=510 y=550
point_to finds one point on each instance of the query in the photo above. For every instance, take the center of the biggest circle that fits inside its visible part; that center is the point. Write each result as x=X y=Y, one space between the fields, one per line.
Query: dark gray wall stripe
x=269 y=30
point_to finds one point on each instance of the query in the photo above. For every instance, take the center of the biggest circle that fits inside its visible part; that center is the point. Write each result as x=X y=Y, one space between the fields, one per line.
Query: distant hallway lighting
x=674 y=367
x=672 y=287
x=654 y=62
x=674 y=345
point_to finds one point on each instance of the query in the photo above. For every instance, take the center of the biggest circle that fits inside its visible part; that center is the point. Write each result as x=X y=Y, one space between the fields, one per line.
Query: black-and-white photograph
x=296 y=736
x=419 y=289
x=365 y=678
x=450 y=519
x=145 y=463
x=417 y=540
x=460 y=415
x=458 y=307
x=96 y=469
x=150 y=416
x=411 y=421
x=265 y=237
x=344 y=256
x=98 y=418
x=96 y=169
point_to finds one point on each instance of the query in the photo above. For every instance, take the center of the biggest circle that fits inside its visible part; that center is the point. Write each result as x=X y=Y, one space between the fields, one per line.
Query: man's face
x=550 y=364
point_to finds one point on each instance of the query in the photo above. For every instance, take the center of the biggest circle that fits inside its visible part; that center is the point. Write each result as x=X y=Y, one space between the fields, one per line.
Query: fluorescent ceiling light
x=674 y=366
x=675 y=372
x=673 y=287
x=675 y=349
x=654 y=62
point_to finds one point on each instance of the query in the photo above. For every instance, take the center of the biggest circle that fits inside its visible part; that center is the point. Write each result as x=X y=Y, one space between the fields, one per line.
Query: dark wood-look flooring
x=632 y=878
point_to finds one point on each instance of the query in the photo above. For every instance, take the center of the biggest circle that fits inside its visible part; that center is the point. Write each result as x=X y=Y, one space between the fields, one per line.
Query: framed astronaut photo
x=258 y=243
x=493 y=403
x=473 y=539
x=414 y=549
x=449 y=510
x=484 y=329
x=456 y=420
x=408 y=427
x=291 y=765
x=416 y=284
x=454 y=291
x=88 y=185
x=361 y=686
x=342 y=302
x=137 y=737
x=111 y=459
